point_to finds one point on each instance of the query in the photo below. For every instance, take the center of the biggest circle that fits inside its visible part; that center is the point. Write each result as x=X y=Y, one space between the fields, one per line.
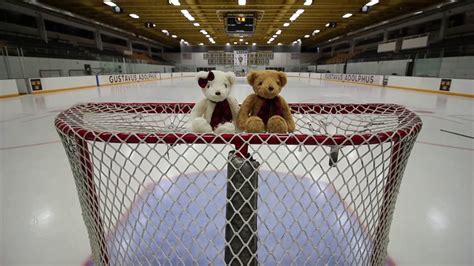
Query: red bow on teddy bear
x=203 y=81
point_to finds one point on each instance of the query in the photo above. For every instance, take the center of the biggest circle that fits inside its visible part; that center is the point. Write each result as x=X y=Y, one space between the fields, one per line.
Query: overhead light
x=227 y=44
x=208 y=36
x=299 y=40
x=254 y=44
x=372 y=3
x=187 y=15
x=212 y=40
x=203 y=32
x=308 y=2
x=286 y=24
x=196 y=24
x=348 y=15
x=269 y=42
x=316 y=32
x=135 y=16
x=165 y=32
x=274 y=36
x=201 y=43
x=242 y=2
x=306 y=36
x=296 y=14
x=174 y=36
x=187 y=43
x=150 y=25
x=117 y=10
x=241 y=40
x=271 y=39
x=174 y=2
x=235 y=42
x=331 y=24
x=246 y=42
x=278 y=32
x=110 y=3
x=294 y=42
x=328 y=24
x=279 y=43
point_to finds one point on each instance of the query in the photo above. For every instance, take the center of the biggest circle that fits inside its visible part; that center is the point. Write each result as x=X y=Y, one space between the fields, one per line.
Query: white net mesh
x=152 y=194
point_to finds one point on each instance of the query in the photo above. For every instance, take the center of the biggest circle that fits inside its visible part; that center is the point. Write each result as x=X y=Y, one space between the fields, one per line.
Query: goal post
x=152 y=193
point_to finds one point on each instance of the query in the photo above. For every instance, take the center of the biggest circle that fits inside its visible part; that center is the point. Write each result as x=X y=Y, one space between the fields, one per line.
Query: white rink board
x=293 y=74
x=364 y=79
x=189 y=74
x=431 y=84
x=304 y=75
x=165 y=75
x=8 y=87
x=126 y=78
x=59 y=83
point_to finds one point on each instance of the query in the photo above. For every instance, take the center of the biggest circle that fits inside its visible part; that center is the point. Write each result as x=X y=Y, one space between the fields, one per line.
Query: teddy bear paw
x=276 y=124
x=200 y=125
x=255 y=125
x=225 y=128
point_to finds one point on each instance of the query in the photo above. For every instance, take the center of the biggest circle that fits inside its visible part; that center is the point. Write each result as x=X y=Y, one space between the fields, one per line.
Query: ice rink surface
x=40 y=219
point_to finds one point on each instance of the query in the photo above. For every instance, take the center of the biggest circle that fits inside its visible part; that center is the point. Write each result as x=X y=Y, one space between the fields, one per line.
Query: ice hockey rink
x=41 y=221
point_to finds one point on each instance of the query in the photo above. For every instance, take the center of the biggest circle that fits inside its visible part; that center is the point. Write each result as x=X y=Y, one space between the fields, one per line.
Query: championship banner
x=240 y=57
x=357 y=78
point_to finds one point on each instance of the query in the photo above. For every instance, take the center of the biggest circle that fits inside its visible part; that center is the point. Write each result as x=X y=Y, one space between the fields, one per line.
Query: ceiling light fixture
x=187 y=15
x=279 y=43
x=174 y=2
x=246 y=42
x=208 y=36
x=227 y=44
x=286 y=24
x=299 y=40
x=316 y=32
x=308 y=2
x=306 y=36
x=372 y=3
x=328 y=24
x=150 y=25
x=348 y=15
x=242 y=2
x=274 y=36
x=241 y=40
x=201 y=43
x=135 y=16
x=174 y=36
x=278 y=32
x=254 y=44
x=296 y=14
x=110 y=3
x=196 y=24
x=235 y=42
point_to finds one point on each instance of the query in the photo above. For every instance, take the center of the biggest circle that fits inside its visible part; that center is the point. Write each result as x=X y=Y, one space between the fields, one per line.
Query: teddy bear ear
x=251 y=77
x=231 y=77
x=283 y=78
x=201 y=75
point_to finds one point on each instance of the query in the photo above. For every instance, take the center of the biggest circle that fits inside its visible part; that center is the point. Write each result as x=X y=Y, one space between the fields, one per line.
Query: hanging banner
x=240 y=57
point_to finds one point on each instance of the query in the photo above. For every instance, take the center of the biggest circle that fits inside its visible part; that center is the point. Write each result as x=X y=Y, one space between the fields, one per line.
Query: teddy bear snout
x=270 y=88
x=218 y=93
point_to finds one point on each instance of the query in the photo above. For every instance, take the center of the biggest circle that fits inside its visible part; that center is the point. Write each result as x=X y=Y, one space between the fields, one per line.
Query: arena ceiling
x=273 y=14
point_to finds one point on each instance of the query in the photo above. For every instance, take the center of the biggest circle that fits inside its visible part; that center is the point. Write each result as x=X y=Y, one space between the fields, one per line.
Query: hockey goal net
x=153 y=194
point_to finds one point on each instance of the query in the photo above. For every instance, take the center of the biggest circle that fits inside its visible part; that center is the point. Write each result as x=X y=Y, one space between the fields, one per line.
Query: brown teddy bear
x=266 y=110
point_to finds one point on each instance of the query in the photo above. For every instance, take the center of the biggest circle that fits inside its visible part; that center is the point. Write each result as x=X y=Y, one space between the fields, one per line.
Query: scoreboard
x=240 y=24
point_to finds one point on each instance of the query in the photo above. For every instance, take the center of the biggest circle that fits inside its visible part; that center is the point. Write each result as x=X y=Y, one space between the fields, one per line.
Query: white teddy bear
x=218 y=111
